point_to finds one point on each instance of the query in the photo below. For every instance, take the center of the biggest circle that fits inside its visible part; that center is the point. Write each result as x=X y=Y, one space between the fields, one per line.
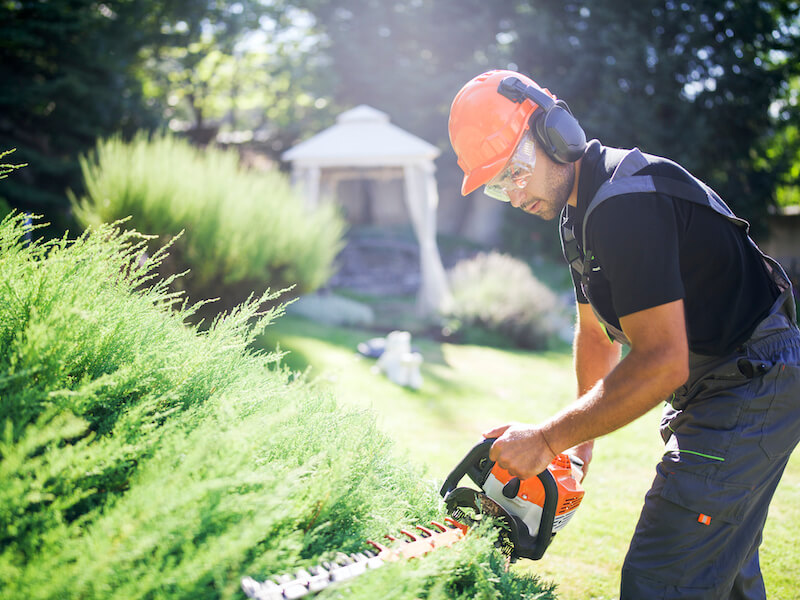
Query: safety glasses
x=517 y=173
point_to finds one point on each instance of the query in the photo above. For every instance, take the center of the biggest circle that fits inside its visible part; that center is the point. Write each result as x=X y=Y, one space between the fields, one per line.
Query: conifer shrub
x=5 y=169
x=242 y=230
x=497 y=300
x=141 y=457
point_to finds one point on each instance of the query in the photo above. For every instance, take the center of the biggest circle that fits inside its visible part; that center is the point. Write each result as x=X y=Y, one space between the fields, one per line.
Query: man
x=661 y=264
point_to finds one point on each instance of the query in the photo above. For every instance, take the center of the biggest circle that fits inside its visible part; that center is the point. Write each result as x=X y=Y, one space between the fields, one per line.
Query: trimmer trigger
x=511 y=489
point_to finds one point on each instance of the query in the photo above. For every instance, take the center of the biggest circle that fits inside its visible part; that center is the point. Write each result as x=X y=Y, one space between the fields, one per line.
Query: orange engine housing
x=533 y=510
x=529 y=501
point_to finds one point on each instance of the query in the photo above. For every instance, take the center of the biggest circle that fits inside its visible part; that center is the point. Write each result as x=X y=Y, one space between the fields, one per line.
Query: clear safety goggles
x=517 y=173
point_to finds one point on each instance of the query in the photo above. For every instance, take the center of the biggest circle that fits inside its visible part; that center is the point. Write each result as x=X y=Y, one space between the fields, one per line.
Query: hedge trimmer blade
x=343 y=567
x=528 y=512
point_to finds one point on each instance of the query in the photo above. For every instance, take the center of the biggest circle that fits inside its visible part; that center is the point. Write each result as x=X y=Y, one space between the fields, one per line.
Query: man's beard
x=562 y=181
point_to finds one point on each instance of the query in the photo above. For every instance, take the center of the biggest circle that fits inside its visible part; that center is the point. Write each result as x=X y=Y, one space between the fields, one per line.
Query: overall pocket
x=780 y=430
x=687 y=533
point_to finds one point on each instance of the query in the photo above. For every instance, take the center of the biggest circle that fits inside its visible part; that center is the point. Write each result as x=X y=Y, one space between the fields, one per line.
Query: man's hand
x=522 y=450
x=584 y=452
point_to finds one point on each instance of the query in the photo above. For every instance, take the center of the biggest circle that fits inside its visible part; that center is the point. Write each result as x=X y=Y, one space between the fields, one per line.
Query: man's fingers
x=496 y=432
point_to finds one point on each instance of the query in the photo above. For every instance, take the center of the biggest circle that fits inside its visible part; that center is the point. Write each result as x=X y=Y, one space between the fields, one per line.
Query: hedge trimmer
x=528 y=512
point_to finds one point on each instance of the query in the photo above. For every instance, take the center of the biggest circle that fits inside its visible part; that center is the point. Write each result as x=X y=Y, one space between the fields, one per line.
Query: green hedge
x=243 y=230
x=143 y=458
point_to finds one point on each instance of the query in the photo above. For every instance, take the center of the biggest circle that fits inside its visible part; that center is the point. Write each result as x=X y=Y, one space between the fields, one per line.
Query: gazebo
x=363 y=144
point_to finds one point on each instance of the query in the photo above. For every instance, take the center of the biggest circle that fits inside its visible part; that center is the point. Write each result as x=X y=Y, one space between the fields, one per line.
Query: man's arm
x=657 y=363
x=595 y=356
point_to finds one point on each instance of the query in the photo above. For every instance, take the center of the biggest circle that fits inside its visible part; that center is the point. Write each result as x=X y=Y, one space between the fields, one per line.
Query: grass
x=469 y=388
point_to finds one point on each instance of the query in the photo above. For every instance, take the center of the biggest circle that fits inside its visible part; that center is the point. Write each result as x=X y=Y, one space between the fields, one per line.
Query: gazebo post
x=422 y=199
x=306 y=180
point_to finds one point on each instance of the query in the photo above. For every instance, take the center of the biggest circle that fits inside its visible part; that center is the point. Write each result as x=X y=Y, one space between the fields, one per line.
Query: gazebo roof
x=362 y=137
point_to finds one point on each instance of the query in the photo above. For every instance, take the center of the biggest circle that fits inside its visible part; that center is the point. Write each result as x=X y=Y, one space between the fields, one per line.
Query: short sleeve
x=635 y=242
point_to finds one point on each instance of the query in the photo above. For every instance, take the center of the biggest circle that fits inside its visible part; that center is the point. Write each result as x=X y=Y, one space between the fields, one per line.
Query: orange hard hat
x=485 y=127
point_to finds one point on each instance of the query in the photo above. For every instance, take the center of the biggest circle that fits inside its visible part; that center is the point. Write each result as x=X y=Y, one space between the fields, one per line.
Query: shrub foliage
x=242 y=229
x=496 y=298
x=143 y=458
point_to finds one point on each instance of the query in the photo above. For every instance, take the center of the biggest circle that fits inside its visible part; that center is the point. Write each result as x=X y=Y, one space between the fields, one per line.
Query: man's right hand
x=522 y=450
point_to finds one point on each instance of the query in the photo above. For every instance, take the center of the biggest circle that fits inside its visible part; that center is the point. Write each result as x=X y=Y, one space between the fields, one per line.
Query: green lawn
x=470 y=388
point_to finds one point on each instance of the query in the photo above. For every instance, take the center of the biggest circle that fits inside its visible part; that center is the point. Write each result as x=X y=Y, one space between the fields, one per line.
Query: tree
x=249 y=66
x=691 y=81
x=782 y=153
x=76 y=71
x=409 y=58
x=67 y=77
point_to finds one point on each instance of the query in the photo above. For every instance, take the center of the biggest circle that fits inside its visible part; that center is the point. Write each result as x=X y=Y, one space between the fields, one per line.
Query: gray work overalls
x=728 y=432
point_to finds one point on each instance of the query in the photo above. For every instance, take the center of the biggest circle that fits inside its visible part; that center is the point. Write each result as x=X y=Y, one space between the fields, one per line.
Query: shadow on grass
x=289 y=332
x=300 y=339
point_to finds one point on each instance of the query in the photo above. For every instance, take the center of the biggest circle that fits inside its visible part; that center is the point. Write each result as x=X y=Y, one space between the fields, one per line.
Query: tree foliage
x=409 y=58
x=691 y=81
x=6 y=168
x=76 y=71
x=67 y=76
x=243 y=65
x=707 y=83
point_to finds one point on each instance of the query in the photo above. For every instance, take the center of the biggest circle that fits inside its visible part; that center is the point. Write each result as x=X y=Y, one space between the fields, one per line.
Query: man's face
x=547 y=191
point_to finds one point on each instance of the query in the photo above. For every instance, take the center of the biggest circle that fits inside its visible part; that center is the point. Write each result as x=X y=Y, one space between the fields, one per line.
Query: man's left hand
x=520 y=449
x=584 y=453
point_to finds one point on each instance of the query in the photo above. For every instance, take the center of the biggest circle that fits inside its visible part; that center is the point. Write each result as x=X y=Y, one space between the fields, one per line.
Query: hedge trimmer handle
x=476 y=464
x=532 y=510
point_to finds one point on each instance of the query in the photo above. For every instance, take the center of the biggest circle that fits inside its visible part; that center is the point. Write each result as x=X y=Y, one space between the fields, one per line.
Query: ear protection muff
x=560 y=134
x=562 y=137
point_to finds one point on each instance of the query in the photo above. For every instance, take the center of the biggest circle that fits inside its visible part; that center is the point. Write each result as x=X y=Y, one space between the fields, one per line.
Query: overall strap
x=569 y=245
x=625 y=181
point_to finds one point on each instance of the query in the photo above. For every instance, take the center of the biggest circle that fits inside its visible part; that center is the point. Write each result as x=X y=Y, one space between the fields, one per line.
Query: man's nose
x=516 y=197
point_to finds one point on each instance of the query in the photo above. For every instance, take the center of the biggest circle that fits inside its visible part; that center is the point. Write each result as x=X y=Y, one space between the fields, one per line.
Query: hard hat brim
x=485 y=173
x=480 y=176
